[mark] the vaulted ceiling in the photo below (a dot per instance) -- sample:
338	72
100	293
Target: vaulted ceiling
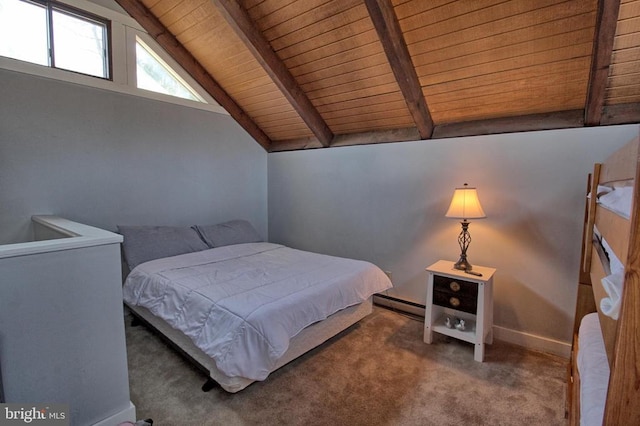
298	74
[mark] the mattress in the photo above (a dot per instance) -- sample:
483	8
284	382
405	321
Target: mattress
241	304
593	368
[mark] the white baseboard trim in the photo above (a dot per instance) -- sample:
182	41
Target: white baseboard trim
520	338
532	341
126	415
400	305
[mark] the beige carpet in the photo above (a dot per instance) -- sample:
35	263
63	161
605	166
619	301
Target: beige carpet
378	372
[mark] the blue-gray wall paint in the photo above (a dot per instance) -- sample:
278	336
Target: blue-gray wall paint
105	159
386	204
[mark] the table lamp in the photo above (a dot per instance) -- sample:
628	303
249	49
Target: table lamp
465	205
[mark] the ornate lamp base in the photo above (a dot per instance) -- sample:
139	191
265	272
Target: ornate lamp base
463	264
464	239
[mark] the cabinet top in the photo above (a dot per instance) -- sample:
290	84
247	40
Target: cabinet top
445	267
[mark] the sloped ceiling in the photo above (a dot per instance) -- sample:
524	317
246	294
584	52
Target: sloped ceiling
300	74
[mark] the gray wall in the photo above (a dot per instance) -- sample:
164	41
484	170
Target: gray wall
386	204
105	159
62	337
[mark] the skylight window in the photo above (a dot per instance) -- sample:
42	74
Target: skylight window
48	33
153	74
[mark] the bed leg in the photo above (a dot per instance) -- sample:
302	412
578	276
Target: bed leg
135	322
210	384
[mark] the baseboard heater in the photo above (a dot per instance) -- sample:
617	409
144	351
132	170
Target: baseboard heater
399	304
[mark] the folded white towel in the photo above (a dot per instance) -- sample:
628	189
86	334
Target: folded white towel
619	200
613	285
601	191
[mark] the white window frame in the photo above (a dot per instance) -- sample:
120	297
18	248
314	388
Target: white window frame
193	93
124	31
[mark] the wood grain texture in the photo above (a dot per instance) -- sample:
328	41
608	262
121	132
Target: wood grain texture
364	138
165	39
590	222
620	166
244	27
305	69
621	337
526	123
623	83
222	53
585	303
616	229
572	409
607	324
623	397
621	114
390	34
602	50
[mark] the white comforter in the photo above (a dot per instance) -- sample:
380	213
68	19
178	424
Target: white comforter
241	304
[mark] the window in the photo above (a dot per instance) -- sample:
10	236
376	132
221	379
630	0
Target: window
153	74
78	40
51	34
23	31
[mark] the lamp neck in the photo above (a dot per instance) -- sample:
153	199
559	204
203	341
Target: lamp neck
464	239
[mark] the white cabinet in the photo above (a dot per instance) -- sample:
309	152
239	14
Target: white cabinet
460	305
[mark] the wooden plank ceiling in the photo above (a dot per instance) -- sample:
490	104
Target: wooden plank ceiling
300	74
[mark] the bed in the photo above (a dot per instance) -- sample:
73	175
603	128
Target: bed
604	369
238	307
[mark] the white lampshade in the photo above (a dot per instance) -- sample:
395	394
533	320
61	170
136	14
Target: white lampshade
465	204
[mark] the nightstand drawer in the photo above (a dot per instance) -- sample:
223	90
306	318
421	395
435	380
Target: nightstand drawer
455	287
455	301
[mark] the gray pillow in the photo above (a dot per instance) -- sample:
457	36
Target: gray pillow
144	243
227	233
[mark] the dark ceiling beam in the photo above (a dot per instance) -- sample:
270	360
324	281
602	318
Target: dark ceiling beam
350	139
388	29
377	136
168	42
523	123
296	144
606	21
621	114
238	18
629	113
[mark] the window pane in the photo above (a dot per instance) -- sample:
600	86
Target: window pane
153	75
23	31
79	45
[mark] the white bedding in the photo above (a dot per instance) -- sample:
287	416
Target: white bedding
613	283
594	371
618	199
241	304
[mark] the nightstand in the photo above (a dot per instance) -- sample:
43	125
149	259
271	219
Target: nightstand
455	295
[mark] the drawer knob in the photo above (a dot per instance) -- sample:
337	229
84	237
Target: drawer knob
454	286
454	301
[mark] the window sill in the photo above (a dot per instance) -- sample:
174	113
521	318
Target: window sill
85	80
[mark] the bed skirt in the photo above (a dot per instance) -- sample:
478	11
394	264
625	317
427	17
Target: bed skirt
309	338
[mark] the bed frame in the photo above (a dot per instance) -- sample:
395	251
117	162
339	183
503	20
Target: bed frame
621	337
309	338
